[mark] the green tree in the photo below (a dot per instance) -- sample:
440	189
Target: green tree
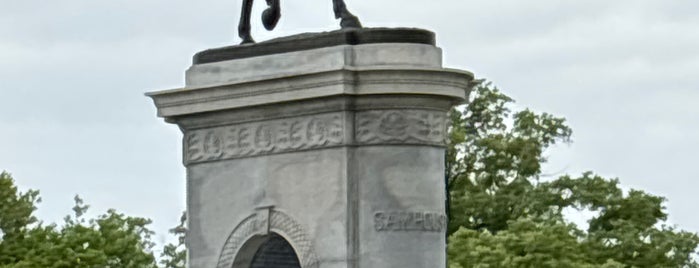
110	240
175	255
16	210
502	214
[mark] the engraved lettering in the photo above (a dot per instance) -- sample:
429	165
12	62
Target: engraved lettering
395	221
428	222
379	220
418	220
392	221
442	222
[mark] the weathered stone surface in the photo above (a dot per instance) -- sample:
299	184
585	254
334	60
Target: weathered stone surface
337	150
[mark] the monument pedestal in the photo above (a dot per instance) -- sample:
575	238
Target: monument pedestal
336	151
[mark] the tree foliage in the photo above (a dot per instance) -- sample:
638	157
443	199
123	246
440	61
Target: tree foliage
175	255
502	214
110	240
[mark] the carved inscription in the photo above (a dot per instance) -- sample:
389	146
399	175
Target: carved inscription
394	221
401	126
264	137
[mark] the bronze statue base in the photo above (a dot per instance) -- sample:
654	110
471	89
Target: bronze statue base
306	41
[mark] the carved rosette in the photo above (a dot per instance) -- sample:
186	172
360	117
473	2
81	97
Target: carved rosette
262	223
401	127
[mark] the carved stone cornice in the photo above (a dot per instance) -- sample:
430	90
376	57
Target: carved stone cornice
350	81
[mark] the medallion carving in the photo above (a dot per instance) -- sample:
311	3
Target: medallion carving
401	126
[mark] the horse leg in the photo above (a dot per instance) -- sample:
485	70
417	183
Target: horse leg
271	15
244	26
348	19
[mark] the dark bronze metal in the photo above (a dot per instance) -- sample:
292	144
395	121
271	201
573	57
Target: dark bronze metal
271	16
308	41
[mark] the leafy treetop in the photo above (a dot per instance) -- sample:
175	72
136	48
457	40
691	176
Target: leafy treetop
502	214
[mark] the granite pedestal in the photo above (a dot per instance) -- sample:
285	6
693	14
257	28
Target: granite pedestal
336	148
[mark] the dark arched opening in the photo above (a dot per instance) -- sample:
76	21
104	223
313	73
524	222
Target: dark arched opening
275	252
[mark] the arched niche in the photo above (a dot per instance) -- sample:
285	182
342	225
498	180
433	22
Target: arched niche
270	251
266	228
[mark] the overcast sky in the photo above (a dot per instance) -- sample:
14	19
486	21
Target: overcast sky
73	118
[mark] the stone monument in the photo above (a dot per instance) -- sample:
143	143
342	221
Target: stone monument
317	150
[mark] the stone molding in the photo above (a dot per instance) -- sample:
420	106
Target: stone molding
351	81
263	222
373	127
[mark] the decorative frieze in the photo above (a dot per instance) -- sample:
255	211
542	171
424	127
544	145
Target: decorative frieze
401	126
314	132
276	136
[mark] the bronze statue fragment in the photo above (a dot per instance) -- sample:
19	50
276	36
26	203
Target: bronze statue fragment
271	16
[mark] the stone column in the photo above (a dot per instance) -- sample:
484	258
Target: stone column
333	141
